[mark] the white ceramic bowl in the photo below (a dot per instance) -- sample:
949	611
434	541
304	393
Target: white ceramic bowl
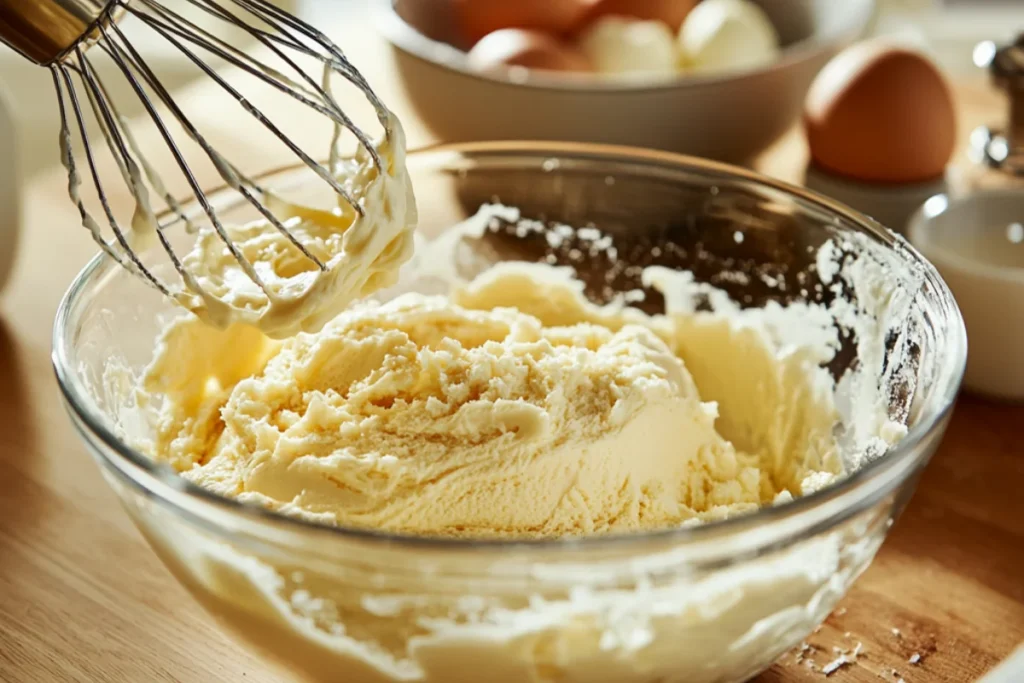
730	117
973	243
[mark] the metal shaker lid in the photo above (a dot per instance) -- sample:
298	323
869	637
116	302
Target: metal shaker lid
1003	148
1007	65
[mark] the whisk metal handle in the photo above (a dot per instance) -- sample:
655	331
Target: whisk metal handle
43	30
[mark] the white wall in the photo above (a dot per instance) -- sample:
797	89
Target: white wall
951	28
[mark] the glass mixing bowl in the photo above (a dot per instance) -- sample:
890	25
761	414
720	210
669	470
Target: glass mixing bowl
717	602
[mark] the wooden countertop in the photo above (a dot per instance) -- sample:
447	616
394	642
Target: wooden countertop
82	598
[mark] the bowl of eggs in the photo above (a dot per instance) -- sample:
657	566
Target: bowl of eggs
722	79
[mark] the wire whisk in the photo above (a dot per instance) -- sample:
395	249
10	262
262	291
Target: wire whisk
67	35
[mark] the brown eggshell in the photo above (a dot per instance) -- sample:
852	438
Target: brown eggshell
530	49
881	113
672	12
478	18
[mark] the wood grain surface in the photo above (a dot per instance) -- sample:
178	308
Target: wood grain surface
82	598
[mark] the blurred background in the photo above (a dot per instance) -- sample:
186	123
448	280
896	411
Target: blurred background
963	537
949	29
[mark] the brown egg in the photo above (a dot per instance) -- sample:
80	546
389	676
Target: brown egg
672	12
881	113
477	18
530	49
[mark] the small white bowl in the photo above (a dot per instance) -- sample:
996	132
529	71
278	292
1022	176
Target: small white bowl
977	244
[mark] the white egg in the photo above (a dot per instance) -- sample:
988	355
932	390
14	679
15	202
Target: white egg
727	35
619	45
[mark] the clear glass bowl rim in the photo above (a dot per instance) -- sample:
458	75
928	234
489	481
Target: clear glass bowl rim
862	487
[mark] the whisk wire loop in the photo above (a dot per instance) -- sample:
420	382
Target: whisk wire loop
117	51
283	37
326	106
126	163
151	174
237	177
133	262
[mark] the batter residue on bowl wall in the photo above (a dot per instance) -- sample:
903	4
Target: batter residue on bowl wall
512	407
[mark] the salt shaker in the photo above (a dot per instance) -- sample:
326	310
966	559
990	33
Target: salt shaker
998	151
974	235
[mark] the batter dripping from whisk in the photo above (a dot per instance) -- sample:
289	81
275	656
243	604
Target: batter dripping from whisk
287	291
513	408
295	269
361	252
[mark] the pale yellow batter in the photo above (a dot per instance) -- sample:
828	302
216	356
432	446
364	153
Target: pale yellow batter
514	408
509	408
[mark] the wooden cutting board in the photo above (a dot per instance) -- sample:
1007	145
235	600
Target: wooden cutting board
82	598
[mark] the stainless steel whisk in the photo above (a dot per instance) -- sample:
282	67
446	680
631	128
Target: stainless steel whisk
61	34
